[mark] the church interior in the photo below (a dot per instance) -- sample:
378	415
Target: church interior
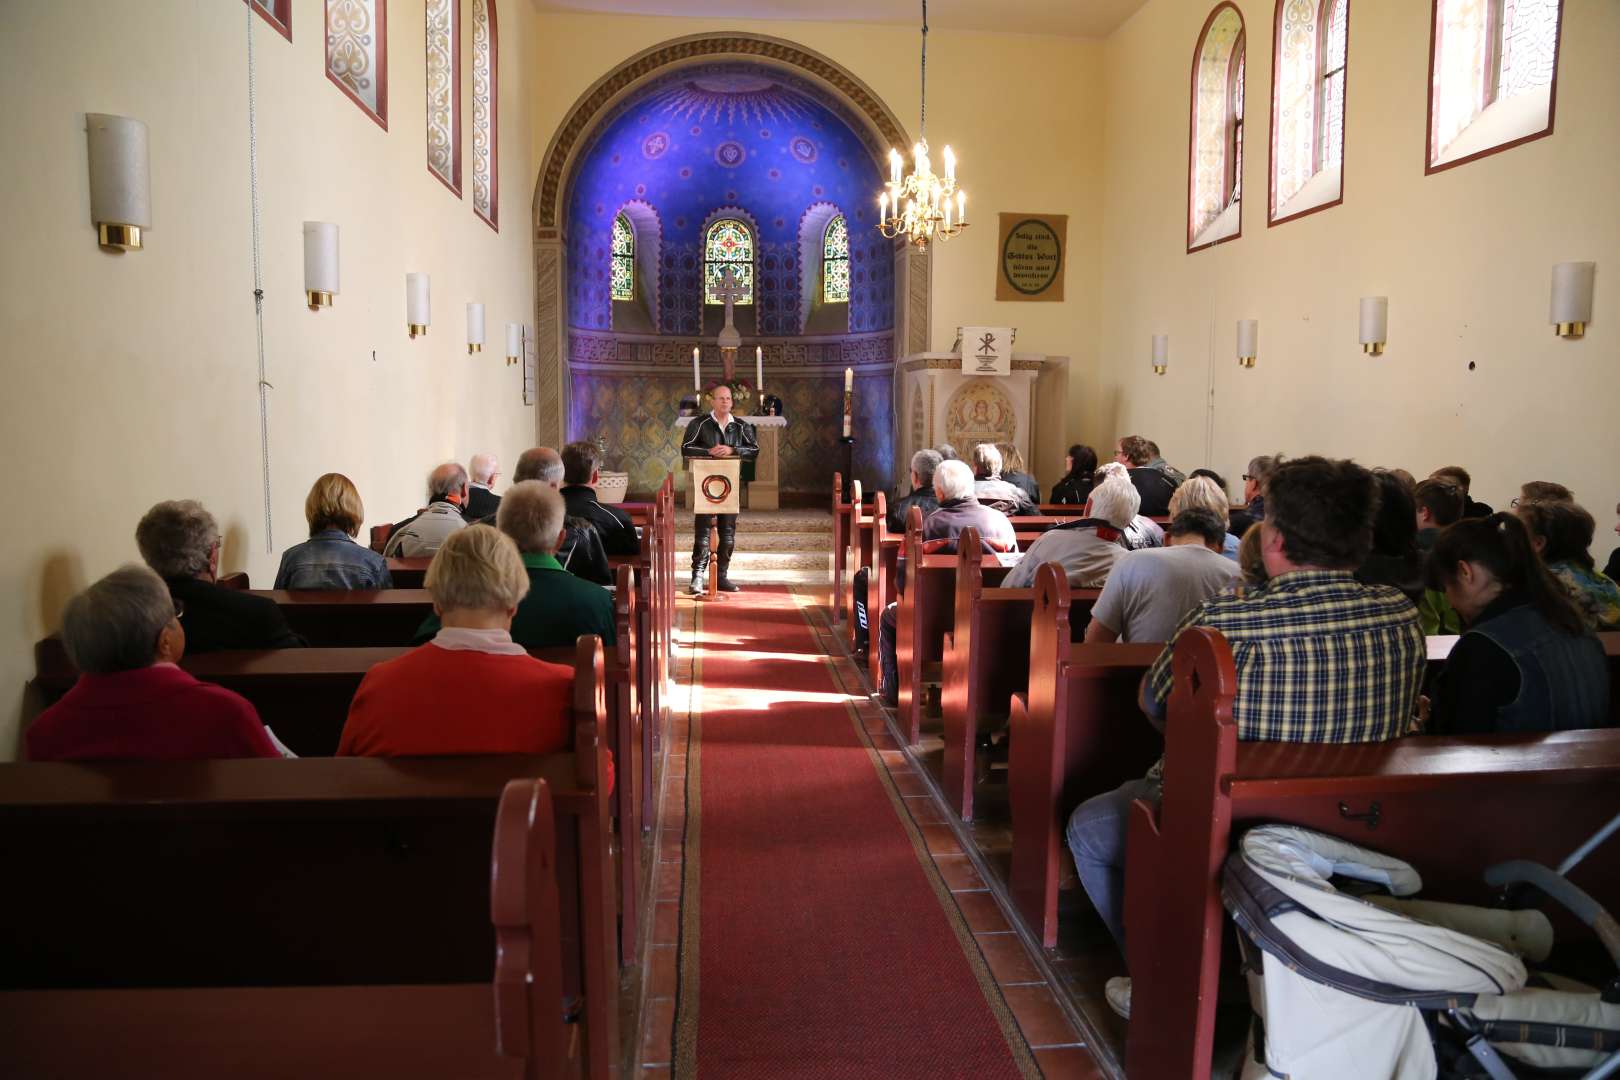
252	242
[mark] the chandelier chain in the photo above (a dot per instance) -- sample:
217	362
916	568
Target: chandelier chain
922	125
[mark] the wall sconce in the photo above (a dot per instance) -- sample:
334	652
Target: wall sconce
514	343
1248	342
120	181
475	328
1572	298
1161	353
320	263
1374	324
418	305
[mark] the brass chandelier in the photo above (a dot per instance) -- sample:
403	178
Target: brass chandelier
923	206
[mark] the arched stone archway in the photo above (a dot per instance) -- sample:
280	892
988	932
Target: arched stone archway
873	120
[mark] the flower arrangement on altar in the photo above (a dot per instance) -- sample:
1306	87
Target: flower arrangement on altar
742	394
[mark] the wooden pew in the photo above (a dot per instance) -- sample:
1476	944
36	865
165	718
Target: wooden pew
924	618
840	514
880	584
346	618
321	917
987	660
409	573
1075	733
1449	805
860	530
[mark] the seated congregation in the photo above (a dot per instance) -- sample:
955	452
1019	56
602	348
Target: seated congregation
1332	588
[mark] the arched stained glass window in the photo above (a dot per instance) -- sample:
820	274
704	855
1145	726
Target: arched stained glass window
729	244
1215	188
1494	64
835	262
1307	107
624	259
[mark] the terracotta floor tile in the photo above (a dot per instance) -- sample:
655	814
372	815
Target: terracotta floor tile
657	1029
958	873
1067	1063
924	811
666	923
661	971
909	783
1006	956
982	913
884	741
940	839
669	881
895	760
1039	1017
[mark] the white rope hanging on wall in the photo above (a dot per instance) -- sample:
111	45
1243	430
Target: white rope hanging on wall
258	277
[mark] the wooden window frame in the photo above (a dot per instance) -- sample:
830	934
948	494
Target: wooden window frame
1318	136
494	218
1192	127
1494	69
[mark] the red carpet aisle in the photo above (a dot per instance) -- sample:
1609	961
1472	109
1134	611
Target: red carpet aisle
816	937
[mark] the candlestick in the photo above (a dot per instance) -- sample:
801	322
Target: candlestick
759	372
697	375
849	379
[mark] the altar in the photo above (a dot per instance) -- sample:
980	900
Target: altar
763	492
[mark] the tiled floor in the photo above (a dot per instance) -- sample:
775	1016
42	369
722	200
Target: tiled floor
1059	1050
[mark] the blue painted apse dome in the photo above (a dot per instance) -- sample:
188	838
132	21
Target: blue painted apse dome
708	141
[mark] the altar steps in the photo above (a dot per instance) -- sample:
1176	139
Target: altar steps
782	546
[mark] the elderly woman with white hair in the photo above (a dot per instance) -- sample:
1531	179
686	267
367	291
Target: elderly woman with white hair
181	541
1088	548
472	689
132	702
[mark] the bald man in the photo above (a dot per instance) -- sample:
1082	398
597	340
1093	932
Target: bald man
447	498
581	553
484	470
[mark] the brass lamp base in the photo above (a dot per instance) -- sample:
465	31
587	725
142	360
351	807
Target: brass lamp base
319	299
1563	329
1246	361
473	347
1158	369
115	237
1373	348
417	329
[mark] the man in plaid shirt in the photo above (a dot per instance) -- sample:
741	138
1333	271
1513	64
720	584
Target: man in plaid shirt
1320	657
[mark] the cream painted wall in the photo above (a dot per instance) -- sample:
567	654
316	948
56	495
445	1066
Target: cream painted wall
130	379
1022	112
1465	257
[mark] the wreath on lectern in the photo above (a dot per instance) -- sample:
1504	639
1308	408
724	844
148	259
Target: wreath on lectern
716	488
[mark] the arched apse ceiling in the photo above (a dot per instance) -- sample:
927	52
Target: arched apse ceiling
717	134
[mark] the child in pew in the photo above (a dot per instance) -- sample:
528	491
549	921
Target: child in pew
1526	661
132	702
472	689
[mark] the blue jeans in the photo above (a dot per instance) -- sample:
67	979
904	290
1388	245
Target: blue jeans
1096	836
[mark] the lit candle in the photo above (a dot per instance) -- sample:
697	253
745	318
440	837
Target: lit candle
759	372
950	164
697	376
894	166
849	398
961	208
883	207
849	379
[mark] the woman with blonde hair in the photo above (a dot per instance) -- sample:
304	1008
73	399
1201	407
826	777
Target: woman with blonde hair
1016	473
330	558
1202	493
472	689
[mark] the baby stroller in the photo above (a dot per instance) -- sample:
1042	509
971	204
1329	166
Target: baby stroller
1348	987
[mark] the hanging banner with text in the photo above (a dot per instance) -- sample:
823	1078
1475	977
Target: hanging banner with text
1031	256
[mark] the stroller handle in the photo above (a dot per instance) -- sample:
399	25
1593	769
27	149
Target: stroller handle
1571	896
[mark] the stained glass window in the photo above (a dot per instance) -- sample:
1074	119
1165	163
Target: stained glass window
486	136
835	261
1330	144
357	53
1485	52
1217	129
624	259
1307	132
444	92
729	244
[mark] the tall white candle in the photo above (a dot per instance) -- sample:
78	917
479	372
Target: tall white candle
849	379
697	374
759	372
849	401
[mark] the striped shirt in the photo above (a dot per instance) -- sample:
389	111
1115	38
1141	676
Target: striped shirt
1320	657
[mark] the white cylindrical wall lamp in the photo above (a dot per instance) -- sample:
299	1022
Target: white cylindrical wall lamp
1572	298
514	342
475	328
320	263
1161	353
1374	324
418	305
120	180
1248	341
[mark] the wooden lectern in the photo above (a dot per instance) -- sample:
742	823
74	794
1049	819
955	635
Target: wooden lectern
716	489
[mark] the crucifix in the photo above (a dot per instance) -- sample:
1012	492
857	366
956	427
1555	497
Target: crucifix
730	292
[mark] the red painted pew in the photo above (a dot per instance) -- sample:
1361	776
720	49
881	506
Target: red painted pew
314	917
1449	805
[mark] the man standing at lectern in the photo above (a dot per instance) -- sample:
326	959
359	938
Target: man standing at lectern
717	435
